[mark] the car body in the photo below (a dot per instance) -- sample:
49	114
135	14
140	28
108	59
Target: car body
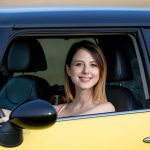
57	28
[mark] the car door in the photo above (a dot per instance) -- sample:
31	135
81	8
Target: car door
112	131
124	130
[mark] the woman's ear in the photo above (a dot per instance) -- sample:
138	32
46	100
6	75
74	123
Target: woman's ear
68	70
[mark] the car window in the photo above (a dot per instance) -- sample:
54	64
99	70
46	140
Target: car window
56	48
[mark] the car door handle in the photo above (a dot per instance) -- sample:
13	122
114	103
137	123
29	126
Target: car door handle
146	140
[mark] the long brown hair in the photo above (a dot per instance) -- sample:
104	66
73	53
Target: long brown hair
97	54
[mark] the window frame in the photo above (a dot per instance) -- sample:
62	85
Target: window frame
60	32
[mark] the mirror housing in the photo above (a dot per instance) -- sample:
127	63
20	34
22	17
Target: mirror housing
34	114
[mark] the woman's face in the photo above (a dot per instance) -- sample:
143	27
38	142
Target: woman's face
84	70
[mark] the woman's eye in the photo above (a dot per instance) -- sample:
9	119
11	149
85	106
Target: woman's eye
78	64
94	65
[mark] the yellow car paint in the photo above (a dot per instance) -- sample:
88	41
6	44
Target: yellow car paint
112	132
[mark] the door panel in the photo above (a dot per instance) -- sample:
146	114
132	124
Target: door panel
114	132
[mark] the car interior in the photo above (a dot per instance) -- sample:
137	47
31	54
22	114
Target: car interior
40	71
24	87
119	71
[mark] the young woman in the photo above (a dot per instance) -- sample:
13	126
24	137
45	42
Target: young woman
85	77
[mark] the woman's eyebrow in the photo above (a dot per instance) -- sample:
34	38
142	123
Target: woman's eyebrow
93	61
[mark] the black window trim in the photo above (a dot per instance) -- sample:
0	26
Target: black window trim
58	32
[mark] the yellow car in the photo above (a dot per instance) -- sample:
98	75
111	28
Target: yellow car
34	42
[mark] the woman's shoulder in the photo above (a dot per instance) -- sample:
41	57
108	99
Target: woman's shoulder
105	107
109	106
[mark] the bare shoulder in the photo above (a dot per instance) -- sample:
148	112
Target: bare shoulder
105	107
108	106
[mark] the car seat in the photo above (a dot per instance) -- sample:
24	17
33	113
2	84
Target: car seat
58	94
119	70
25	55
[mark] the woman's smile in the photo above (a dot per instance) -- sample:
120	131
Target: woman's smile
85	79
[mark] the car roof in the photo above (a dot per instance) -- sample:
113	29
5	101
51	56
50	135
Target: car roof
73	16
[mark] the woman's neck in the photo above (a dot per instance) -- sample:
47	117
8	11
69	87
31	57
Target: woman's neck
83	97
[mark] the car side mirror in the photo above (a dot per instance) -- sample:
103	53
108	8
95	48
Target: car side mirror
34	114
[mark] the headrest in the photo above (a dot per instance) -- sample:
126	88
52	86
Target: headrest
115	49
119	67
26	55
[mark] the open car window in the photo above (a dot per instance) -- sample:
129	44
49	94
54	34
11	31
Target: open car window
126	90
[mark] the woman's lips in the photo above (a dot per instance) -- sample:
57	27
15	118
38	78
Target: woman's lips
85	79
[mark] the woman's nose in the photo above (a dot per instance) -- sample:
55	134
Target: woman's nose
86	69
